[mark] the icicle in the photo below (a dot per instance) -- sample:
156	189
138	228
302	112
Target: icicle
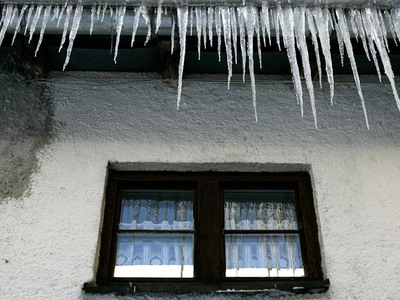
329	19
74	30
135	24
242	37
268	27
382	29
360	30
300	33
374	57
92	18
371	18
56	12
3	13
204	25
311	27
9	11
159	14
173	34
323	33
34	22
286	21
388	18
21	15
66	25
28	18
182	12
262	20
191	20
257	29
104	11
265	26
14	13
98	12
276	25
111	12
340	42
142	10
210	12
198	29
112	34
234	31
218	29
146	17
365	36
60	15
120	21
46	16
396	21
249	18
225	14
368	24
342	27
353	23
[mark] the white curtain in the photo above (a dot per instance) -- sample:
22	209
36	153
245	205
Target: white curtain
269	254
156	212
154	249
152	214
260	215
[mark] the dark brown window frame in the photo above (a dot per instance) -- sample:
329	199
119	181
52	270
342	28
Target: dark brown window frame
209	267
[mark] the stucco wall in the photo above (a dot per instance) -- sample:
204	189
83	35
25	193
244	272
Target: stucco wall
25	126
49	236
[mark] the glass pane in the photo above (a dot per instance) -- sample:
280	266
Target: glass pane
263	255
154	256
259	209
157	210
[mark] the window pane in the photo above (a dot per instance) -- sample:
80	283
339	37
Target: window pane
259	209
263	255
154	255
157	210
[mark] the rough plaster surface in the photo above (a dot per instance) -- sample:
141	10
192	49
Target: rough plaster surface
25	125
49	238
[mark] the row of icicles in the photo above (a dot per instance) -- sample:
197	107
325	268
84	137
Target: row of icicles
239	28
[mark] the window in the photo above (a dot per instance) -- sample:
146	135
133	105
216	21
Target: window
261	234
155	235
209	231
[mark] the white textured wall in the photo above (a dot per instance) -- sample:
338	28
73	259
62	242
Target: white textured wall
49	237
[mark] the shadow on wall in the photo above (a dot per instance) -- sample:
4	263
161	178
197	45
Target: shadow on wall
26	117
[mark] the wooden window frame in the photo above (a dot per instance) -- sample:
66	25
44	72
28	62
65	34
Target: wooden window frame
208	213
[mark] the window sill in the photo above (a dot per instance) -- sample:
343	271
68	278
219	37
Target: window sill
270	287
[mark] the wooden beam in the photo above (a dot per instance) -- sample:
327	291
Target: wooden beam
169	62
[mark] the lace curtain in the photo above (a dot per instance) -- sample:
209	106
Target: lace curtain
259	254
158	252
149	214
148	247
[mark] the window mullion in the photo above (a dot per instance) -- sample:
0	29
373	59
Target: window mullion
208	233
